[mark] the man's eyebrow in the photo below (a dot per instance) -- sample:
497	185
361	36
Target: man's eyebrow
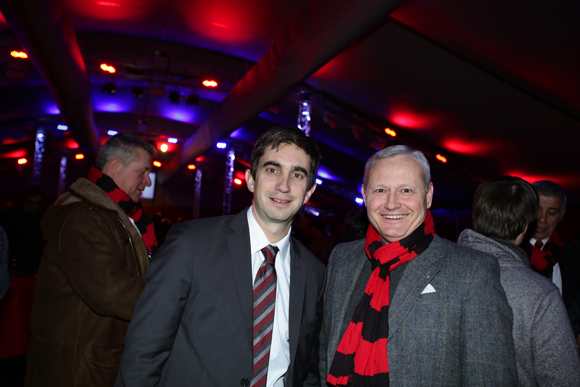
300	169
272	163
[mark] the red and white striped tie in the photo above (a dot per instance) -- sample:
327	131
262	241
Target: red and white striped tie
264	303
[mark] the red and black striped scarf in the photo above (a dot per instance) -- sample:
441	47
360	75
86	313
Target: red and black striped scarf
544	259
361	356
134	210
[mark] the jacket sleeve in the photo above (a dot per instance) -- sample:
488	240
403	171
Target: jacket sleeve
313	378
486	348
158	313
94	253
555	353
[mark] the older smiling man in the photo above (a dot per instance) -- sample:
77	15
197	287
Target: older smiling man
406	307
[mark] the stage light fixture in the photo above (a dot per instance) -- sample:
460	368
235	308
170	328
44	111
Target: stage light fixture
174	97
172	140
193	99
390	132
441	158
79	156
157	163
221	145
62	127
318	182
18	54
109	87
112	132
164	147
138	92
22	161
209	83
107	68
359	200
191	166
237	181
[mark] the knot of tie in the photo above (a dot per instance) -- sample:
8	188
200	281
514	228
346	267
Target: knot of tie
538	244
270	253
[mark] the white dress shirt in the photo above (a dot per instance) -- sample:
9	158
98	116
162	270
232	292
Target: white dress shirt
556	275
280	346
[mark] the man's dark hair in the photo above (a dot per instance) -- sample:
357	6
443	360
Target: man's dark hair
280	135
124	147
504	206
550	189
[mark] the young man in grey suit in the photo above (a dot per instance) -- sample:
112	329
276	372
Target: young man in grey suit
235	300
546	352
406	307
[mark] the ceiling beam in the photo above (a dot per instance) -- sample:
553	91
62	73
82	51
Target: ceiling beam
319	33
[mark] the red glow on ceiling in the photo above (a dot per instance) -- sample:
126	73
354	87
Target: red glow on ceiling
466	147
191	166
441	158
71	144
14	155
533	178
390	132
107	3
407	120
22	161
79	156
18	54
209	83
228	21
157	163
199	159
109	69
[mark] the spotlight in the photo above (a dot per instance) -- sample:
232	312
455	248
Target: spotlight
22	161
191	166
174	97
318	182
172	140
192	100
79	156
359	200
109	87
112	132
390	132
237	181
138	92
62	127
441	158
164	147
221	145
18	54
107	68
157	163
210	83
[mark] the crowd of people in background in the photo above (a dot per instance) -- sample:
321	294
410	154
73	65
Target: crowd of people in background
402	305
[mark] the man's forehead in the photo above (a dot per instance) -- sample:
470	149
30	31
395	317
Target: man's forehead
550	202
273	156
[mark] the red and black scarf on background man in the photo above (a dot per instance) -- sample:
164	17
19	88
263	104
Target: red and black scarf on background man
544	259
361	356
134	210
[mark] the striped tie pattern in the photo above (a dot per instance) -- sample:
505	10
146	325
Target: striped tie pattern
264	303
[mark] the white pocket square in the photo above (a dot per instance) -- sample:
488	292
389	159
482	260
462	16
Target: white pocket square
428	289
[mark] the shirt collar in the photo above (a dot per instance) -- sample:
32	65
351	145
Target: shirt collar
259	240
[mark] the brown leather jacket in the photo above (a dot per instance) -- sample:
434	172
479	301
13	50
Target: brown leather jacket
90	277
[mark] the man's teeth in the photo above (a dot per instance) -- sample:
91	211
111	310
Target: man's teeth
280	201
394	216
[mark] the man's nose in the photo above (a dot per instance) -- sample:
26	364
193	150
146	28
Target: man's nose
147	180
283	184
392	201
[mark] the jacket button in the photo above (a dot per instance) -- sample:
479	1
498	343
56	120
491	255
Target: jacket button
245	382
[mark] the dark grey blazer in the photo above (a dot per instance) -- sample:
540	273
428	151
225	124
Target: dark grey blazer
457	333
192	325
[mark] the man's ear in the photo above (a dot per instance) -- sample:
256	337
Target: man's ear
562	216
430	195
249	180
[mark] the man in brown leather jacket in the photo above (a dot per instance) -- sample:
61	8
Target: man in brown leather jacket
92	271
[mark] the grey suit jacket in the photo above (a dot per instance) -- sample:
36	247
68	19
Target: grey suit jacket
449	320
193	322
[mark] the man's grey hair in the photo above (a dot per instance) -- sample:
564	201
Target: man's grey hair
550	189
124	147
397	150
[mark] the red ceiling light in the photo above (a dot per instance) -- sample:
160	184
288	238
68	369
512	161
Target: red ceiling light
79	156
108	3
390	132
209	83
163	147
107	68
237	181
18	54
441	158
191	166
22	161
157	163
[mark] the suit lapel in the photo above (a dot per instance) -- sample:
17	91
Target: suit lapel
419	273
297	289
240	257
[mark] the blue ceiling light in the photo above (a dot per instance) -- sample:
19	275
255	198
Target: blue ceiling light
62	127
172	140
221	145
359	200
318	182
112	132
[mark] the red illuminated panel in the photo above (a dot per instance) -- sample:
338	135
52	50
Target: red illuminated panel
72	144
